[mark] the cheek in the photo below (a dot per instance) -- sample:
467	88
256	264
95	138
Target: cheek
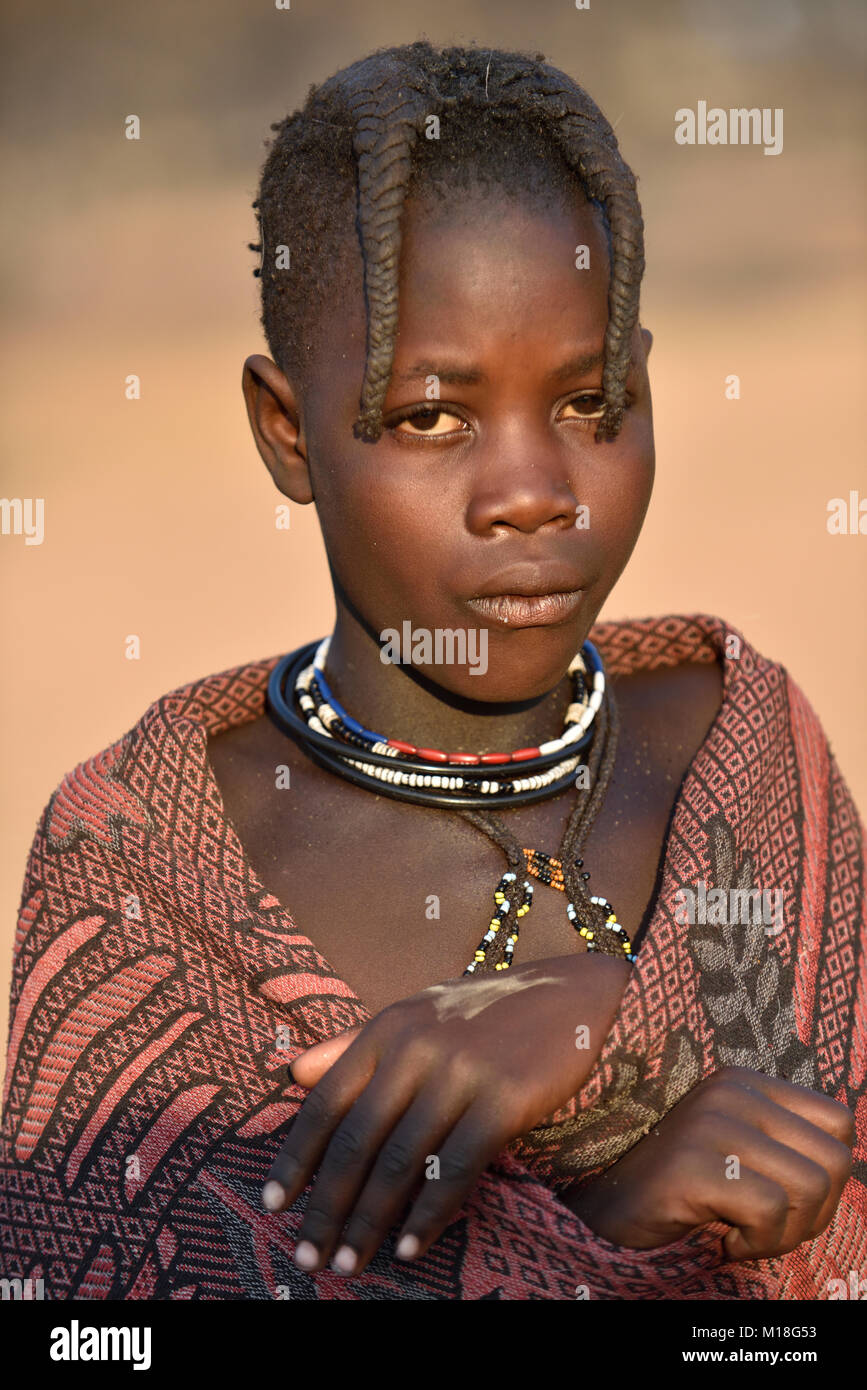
645	470
618	494
380	524
638	470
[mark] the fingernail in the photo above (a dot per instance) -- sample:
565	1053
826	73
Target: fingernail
273	1196
407	1247
345	1260
306	1255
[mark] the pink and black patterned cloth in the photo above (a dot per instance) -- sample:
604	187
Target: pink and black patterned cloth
159	991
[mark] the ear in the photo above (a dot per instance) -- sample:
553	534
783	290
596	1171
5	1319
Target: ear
272	410
647	339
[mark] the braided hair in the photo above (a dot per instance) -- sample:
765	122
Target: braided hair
339	172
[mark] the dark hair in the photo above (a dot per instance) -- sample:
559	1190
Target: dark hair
343	165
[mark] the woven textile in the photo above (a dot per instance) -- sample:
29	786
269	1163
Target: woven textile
159	990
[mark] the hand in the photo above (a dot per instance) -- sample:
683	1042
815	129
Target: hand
452	1074
792	1147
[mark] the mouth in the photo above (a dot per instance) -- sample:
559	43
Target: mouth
528	610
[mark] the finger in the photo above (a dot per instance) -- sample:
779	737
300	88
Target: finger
349	1157
757	1213
790	1129
816	1107
320	1113
310	1066
408	1157
775	1214
470	1147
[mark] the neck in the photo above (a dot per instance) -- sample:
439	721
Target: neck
400	701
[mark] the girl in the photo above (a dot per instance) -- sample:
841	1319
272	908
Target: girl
387	858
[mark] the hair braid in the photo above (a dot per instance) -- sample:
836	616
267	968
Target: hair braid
588	143
364	123
388	106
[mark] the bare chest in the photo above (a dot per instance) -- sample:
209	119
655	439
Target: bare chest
397	897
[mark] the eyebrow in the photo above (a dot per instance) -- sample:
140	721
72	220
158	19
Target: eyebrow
472	376
579	366
454	376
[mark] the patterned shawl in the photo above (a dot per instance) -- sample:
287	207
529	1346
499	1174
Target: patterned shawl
159	990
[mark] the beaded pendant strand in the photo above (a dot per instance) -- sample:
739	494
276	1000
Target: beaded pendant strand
547	870
550	870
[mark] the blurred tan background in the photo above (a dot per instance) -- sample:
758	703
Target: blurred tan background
130	257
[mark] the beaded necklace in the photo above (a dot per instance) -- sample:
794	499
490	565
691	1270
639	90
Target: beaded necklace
432	777
403	766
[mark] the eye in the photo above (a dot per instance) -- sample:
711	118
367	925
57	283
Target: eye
428	421
590	405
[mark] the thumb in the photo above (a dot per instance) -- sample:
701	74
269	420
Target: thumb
308	1067
737	1245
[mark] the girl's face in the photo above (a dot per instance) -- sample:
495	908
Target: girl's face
488	457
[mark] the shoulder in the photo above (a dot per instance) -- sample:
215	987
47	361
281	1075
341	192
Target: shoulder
674	675
690	685
669	677
668	711
676	672
155	763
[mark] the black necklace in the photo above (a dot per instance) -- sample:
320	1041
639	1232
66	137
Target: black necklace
430	777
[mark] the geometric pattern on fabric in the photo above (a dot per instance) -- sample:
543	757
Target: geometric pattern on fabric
145	1093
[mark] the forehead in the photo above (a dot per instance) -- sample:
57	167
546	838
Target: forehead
491	262
484	273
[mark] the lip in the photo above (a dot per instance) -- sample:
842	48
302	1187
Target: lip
531	580
528	610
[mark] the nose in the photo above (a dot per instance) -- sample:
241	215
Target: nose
522	481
